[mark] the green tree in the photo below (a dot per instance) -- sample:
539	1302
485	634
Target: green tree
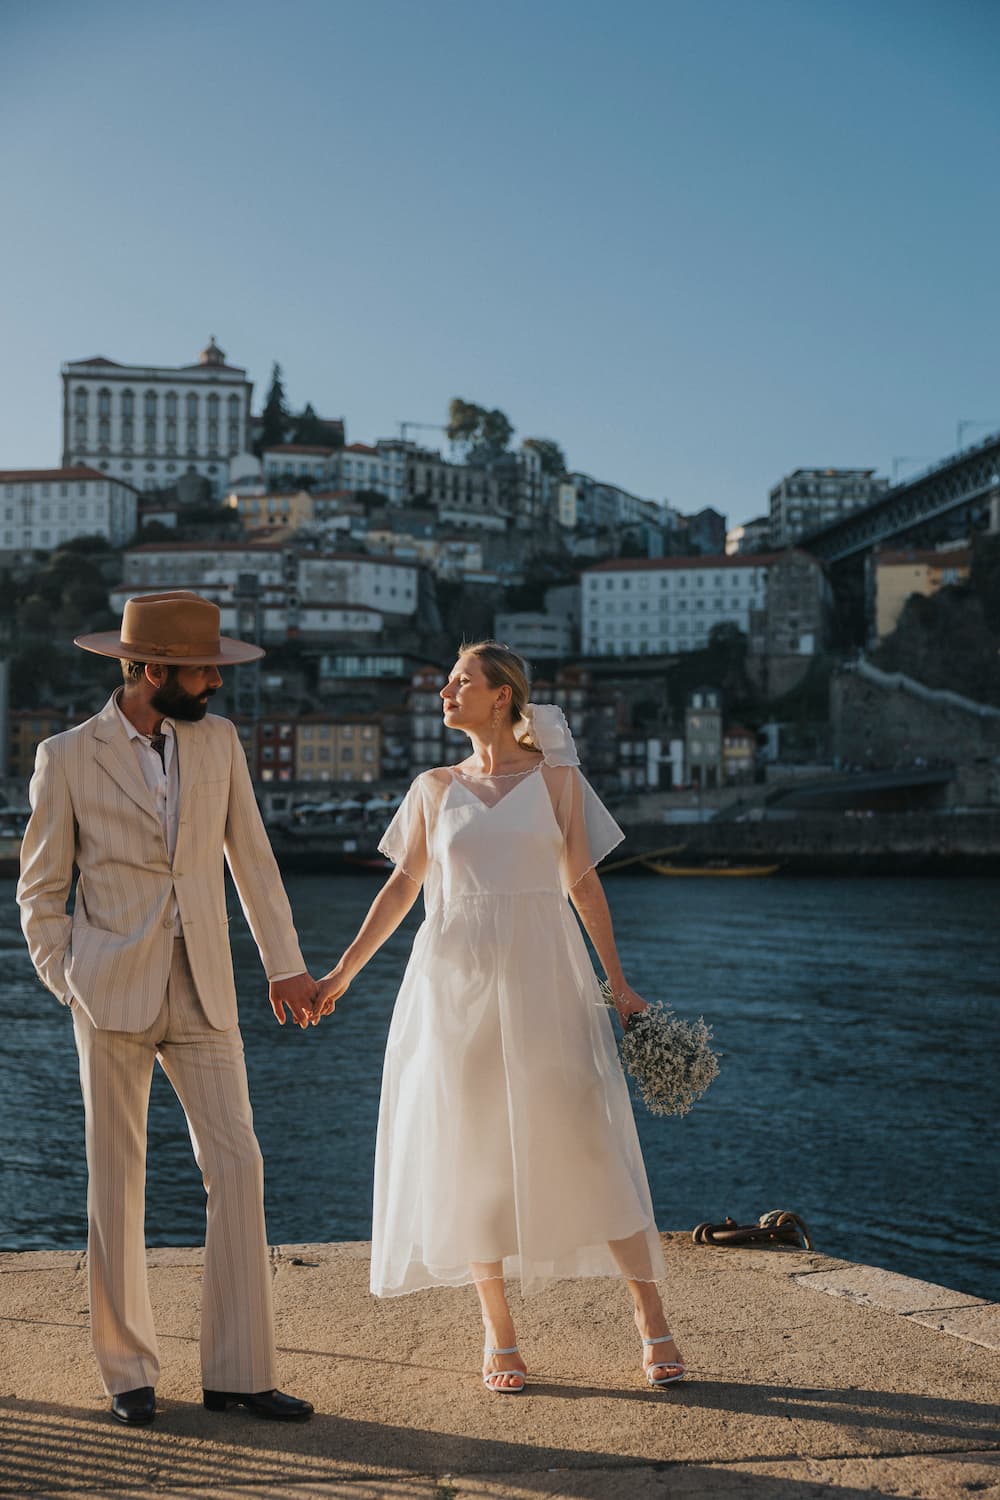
35	615
480	433
308	427
463	421
552	456
86	544
276	417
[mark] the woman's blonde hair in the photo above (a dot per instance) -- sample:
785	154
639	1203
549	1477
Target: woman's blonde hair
502	667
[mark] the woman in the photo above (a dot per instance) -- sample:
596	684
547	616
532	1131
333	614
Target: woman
506	1144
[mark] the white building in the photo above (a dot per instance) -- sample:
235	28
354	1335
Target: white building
287	463
152	424
43	508
534	634
810	498
643	606
382	468
381	583
584	501
279	619
751	536
315	578
158	566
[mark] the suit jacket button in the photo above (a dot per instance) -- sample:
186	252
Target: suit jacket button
168	921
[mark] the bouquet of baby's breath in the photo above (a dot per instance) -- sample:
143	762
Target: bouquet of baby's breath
670	1059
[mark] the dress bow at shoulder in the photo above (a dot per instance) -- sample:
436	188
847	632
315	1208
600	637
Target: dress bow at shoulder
546	725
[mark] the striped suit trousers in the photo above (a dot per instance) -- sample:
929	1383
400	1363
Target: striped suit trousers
206	1068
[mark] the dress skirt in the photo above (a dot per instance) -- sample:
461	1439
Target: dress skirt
505	1132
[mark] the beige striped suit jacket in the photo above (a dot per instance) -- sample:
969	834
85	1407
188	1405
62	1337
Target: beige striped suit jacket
90	806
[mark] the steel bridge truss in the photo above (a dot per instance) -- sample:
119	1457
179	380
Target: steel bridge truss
963	480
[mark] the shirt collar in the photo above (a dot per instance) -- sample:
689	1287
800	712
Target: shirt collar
166	725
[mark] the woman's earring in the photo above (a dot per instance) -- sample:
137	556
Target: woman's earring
496	713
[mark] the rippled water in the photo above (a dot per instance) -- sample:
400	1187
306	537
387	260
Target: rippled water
859	1022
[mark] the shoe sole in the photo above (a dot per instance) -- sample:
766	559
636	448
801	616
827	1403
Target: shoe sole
267	1416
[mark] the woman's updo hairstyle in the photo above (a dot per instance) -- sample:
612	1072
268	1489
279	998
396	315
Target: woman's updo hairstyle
502	667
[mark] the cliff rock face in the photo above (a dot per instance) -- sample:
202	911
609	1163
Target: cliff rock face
947	641
881	719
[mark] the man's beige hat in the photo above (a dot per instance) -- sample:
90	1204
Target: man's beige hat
179	629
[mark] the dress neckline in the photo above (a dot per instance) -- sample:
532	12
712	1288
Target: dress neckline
497	775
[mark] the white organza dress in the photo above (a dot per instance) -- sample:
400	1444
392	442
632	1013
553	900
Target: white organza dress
505	1127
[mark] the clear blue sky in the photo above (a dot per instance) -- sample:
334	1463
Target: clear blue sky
699	244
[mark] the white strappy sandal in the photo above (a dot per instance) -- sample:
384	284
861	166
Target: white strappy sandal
488	1378
670	1364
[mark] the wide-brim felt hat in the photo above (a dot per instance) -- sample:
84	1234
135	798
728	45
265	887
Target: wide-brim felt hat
177	629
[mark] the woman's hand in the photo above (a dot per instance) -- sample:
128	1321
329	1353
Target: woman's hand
627	1003
329	990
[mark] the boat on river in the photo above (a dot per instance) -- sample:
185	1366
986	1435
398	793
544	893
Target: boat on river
719	867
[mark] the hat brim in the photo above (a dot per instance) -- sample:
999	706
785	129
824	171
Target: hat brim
230	653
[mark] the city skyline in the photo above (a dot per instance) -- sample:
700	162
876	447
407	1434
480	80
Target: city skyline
699	250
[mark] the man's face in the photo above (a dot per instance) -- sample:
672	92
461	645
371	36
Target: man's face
183	692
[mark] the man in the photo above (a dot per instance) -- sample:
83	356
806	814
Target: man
145	799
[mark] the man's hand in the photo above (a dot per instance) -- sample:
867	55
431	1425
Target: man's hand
329	991
297	993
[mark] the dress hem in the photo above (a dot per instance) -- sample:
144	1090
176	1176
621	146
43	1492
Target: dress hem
532	1291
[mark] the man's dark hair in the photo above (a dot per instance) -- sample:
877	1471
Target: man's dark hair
133	671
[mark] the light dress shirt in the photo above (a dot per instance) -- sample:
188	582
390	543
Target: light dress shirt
163	781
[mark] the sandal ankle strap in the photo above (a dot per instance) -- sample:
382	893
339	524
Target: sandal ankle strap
512	1350
665	1338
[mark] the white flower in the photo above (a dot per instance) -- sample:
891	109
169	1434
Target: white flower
670	1059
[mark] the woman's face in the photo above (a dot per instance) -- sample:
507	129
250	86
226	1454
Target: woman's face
468	698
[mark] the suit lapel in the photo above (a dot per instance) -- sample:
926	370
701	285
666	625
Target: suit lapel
191	744
116	756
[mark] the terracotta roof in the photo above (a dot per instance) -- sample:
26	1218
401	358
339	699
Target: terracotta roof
360	448
365	557
299	448
62	476
959	557
98	359
320	718
264	546
226	369
363	609
674	564
206	546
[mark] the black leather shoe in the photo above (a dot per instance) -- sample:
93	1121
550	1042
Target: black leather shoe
272	1404
134	1408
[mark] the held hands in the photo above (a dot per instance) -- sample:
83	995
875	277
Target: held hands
329	991
297	993
628	1003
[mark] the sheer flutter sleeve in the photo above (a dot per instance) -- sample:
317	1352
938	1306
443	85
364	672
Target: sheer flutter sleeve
405	839
588	829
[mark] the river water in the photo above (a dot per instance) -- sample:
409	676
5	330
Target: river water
859	1022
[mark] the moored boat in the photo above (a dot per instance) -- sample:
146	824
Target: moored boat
659	867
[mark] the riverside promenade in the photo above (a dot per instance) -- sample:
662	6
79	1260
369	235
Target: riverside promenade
810	1377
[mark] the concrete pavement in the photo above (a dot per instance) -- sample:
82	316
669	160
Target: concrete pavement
811	1377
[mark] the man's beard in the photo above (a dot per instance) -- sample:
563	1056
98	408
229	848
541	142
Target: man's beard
175	702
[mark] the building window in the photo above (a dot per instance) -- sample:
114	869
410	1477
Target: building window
104	402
